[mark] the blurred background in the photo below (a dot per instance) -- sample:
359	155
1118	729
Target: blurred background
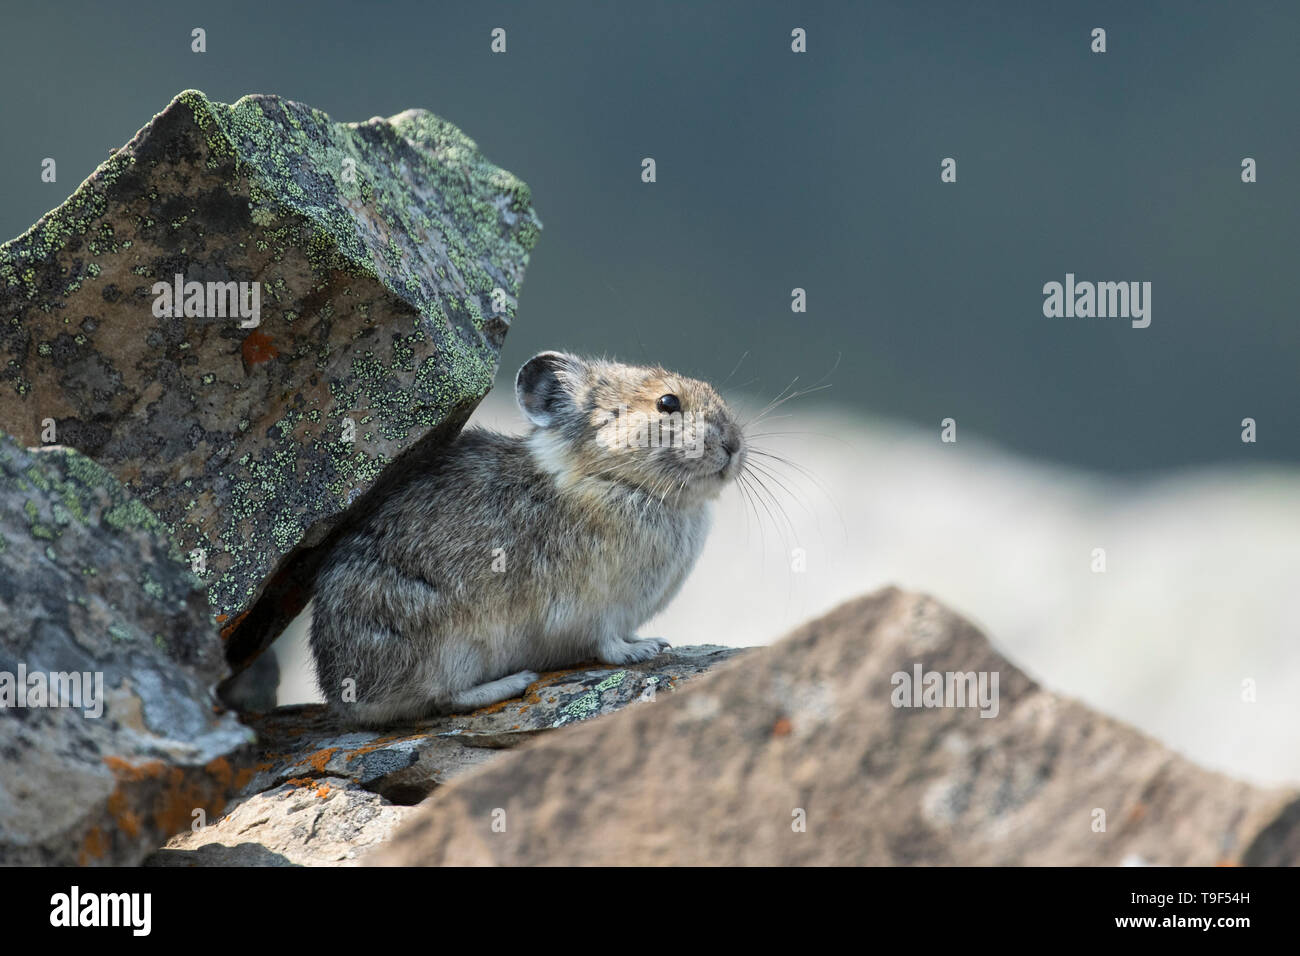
820	171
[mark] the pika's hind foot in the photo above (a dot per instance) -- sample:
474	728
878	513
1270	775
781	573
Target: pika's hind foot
493	692
632	650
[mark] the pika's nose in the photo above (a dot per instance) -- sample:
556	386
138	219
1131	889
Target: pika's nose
731	441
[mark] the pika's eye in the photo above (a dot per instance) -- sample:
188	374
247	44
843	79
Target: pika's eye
669	404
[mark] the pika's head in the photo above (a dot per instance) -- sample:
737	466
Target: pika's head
602	421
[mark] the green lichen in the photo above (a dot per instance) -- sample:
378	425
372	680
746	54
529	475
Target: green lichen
131	514
373	239
580	708
35	528
151	587
613	680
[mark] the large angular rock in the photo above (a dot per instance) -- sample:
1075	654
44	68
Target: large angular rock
388	257
797	755
92	590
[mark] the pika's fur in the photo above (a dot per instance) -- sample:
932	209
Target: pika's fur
505	555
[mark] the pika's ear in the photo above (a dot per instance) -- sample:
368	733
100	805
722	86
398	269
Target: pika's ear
545	386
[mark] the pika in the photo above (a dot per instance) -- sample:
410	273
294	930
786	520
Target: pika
498	556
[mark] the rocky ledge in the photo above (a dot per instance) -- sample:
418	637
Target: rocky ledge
319	793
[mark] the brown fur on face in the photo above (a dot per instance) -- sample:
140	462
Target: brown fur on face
603	423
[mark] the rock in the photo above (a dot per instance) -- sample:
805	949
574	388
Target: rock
796	755
405	763
373	777
386	257
319	822
91	588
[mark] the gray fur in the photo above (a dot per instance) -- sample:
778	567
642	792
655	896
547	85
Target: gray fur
596	540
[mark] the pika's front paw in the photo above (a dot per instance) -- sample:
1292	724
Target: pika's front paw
631	651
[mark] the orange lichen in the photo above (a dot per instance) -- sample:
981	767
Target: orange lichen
173	794
321	758
122	813
227	777
221	771
782	727
125	770
258	348
318	788
489	709
95	845
230	628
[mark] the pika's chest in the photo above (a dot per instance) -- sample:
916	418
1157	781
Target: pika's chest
633	561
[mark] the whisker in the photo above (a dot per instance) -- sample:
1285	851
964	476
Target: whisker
773	407
773	476
764	497
734	370
806	473
779	400
745	480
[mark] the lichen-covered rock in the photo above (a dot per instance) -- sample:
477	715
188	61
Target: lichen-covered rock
325	821
405	763
109	737
320	794
373	267
809	752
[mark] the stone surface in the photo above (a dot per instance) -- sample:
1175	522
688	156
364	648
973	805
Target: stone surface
90	584
319	794
389	256
406	763
725	771
319	822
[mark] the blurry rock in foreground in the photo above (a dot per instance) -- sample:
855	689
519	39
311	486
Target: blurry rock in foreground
795	755
345	291
316	793
99	616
